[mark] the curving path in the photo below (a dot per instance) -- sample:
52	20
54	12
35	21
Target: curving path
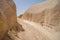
35	31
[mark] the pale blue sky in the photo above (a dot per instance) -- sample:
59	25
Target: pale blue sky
23	5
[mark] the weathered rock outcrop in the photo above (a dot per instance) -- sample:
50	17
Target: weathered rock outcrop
8	19
42	21
46	13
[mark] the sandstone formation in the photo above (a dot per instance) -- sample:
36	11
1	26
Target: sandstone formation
8	19
46	14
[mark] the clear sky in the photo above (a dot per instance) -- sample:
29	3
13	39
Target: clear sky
23	5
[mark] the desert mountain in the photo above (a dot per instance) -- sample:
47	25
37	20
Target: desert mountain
41	21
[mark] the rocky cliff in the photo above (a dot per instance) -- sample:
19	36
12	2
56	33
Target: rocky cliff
8	19
41	21
46	13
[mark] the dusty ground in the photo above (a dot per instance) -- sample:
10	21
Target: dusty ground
35	31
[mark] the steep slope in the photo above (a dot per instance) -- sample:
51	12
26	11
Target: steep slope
46	13
41	21
8	19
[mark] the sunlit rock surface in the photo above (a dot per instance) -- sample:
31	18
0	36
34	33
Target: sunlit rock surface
46	13
41	21
8	20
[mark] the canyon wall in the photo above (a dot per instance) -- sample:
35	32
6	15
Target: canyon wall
47	16
8	18
46	13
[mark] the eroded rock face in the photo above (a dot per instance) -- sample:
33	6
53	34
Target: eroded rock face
46	13
7	16
3	25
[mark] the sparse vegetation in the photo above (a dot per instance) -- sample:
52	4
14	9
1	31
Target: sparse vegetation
20	16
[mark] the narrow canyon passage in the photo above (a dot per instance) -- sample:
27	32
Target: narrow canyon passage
39	22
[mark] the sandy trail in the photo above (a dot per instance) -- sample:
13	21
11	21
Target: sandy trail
35	31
